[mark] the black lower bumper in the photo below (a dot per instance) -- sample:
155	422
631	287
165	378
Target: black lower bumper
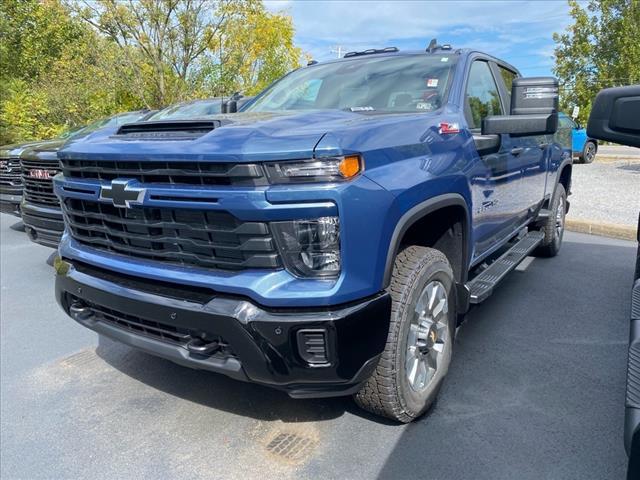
306	352
44	225
10	203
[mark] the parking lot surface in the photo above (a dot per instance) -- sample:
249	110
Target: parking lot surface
606	192
535	391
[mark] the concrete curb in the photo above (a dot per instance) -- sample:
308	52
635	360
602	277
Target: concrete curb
592	227
616	158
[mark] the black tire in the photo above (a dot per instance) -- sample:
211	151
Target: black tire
589	151
553	231
388	391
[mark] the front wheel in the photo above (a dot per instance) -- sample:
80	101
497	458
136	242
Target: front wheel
416	358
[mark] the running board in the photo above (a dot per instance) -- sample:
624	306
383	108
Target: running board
482	286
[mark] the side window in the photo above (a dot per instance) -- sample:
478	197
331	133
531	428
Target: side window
508	77
481	97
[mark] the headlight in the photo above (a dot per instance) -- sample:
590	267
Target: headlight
310	248
329	169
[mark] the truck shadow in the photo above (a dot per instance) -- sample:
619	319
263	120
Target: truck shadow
217	391
539	367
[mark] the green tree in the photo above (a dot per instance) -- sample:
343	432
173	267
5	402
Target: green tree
161	40
257	49
57	72
599	49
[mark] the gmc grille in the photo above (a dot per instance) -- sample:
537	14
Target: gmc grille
210	239
37	177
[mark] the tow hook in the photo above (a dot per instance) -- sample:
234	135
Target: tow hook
79	312
197	345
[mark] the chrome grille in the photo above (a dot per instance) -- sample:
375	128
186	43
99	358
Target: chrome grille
37	177
10	175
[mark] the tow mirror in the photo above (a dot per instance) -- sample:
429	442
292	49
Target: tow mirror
534	109
615	116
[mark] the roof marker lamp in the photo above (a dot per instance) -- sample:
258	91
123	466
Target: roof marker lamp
327	169
310	248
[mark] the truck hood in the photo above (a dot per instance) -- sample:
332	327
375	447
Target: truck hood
16	149
240	137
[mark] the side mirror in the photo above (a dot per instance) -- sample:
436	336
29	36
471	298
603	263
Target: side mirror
534	109
615	116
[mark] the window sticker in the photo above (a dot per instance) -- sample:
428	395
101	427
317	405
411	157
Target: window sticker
444	59
362	109
432	82
423	106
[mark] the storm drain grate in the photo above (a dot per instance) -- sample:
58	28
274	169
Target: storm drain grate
82	357
291	446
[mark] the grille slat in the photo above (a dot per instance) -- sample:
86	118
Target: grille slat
39	190
210	239
169	172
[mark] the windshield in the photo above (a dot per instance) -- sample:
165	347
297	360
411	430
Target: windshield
113	121
414	83
200	108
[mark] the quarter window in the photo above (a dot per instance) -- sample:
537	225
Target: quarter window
482	98
508	77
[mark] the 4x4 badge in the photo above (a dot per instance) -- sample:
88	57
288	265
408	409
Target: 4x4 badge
122	194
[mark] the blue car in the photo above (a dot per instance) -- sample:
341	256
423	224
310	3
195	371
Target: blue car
583	148
329	237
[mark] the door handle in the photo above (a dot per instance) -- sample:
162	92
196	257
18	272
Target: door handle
517	151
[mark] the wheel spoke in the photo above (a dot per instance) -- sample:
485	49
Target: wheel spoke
428	336
421	378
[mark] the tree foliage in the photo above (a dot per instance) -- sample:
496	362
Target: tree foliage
599	49
64	63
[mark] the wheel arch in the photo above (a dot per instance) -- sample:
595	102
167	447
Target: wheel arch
452	237
564	176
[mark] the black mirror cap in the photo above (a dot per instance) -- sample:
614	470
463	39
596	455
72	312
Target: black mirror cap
520	125
534	95
615	116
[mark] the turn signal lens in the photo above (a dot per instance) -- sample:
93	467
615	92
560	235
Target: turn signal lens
350	166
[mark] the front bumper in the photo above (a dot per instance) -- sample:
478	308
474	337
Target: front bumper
10	203
268	347
44	225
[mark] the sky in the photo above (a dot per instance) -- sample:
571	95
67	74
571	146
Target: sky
518	32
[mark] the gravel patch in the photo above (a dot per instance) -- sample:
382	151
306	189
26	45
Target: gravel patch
606	192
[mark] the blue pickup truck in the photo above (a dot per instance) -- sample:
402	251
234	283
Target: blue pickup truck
329	237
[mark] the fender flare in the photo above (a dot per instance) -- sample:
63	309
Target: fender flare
566	163
416	213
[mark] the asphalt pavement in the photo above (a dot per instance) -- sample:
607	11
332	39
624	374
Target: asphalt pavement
535	391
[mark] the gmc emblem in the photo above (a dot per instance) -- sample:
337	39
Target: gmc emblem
41	174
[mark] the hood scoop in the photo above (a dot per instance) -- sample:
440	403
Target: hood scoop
168	130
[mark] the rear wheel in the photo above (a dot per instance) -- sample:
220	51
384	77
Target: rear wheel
553	227
589	152
420	340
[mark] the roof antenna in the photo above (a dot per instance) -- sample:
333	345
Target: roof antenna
433	44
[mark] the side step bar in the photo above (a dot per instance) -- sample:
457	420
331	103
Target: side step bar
482	286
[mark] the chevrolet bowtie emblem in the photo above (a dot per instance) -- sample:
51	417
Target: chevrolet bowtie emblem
122	194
